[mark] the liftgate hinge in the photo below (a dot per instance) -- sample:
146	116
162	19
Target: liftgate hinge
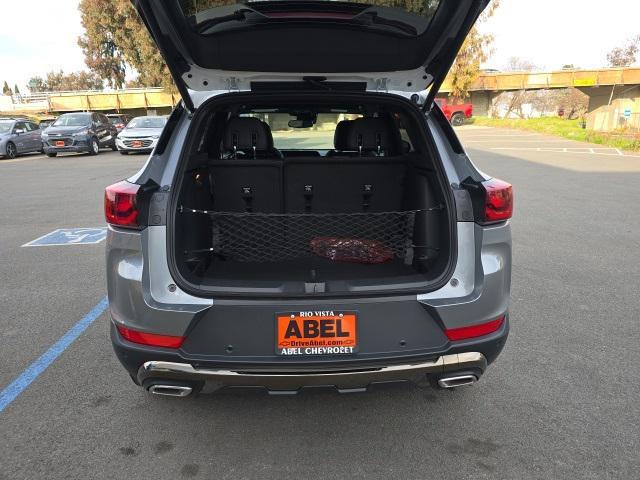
381	84
232	84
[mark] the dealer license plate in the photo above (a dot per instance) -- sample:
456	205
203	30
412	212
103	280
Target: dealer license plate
326	332
59	143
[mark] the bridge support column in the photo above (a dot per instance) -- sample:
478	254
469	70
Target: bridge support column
602	96
482	102
607	106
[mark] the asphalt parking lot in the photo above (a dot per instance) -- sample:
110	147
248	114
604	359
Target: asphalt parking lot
560	402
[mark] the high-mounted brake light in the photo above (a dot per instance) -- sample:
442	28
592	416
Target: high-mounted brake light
120	205
473	331
167	341
499	201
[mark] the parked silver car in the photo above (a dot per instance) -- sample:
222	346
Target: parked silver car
254	250
19	136
141	134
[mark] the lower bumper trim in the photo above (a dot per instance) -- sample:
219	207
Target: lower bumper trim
341	379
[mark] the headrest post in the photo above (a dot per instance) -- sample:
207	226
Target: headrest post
235	145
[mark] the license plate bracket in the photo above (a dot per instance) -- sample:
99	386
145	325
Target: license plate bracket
316	333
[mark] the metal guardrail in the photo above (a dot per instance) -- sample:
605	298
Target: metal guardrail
73	101
509	81
131	98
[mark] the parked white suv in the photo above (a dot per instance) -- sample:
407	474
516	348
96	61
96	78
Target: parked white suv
308	216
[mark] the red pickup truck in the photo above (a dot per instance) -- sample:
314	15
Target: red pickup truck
455	113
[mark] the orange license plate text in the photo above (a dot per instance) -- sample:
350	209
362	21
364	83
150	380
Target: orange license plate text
316	333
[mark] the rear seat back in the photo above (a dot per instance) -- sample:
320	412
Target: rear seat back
343	184
361	175
246	185
248	177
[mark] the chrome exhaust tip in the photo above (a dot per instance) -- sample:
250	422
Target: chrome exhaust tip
170	390
457	381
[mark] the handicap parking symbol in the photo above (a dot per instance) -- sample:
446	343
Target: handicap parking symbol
70	236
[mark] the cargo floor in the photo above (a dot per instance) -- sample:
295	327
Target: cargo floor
307	270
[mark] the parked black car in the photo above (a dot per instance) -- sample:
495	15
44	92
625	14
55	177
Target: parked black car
79	132
119	120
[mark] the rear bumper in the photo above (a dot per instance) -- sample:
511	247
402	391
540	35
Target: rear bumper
146	363
69	148
294	380
397	330
135	150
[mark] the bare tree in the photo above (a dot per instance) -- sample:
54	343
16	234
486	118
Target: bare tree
517	64
625	55
527	103
574	102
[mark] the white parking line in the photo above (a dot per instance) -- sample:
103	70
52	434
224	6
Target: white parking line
546	140
581	150
22	159
495	135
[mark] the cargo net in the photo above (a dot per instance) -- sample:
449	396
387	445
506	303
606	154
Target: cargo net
348	237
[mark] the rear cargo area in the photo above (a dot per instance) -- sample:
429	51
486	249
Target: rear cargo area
362	213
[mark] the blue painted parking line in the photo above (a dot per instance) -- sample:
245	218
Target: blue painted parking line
70	236
32	372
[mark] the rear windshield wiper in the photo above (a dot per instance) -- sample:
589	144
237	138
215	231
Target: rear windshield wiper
214	17
372	18
243	14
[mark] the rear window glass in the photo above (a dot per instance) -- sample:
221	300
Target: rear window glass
316	137
147	122
73	120
5	126
207	16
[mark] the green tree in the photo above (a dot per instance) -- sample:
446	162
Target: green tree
16	90
36	84
6	89
60	81
115	38
474	51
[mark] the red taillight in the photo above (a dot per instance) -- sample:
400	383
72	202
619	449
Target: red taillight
120	206
472	331
152	339
498	202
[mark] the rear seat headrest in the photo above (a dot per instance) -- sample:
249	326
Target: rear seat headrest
340	135
370	135
247	133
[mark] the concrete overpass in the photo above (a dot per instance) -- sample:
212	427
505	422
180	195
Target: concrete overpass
603	86
137	101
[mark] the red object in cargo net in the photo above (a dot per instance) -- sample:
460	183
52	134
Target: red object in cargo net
354	250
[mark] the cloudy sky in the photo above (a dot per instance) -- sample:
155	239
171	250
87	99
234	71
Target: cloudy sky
41	35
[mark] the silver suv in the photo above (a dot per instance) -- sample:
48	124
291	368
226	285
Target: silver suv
303	221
